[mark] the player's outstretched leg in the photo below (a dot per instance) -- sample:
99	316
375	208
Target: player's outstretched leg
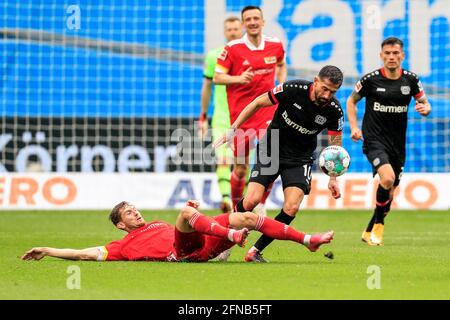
240	236
278	230
207	225
316	240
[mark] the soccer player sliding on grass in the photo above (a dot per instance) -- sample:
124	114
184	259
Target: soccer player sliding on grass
194	238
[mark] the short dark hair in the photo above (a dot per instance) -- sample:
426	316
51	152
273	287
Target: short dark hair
246	8
392	41
115	214
332	73
231	19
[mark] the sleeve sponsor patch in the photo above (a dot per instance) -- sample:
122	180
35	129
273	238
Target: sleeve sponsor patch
223	54
278	89
419	84
358	86
340	126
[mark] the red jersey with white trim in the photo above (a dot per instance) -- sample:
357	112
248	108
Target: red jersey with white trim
153	241
237	56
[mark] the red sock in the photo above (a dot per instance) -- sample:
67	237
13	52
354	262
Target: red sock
266	193
207	225
278	230
237	188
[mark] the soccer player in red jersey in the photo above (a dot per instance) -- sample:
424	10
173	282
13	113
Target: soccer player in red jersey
248	67
194	238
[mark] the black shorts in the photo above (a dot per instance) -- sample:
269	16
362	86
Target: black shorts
291	176
378	156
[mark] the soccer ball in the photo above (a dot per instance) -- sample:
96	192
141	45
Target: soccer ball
334	161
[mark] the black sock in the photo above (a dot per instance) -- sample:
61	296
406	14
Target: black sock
387	208
372	222
382	203
264	241
240	206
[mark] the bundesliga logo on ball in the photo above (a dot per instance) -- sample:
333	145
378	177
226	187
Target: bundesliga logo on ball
334	161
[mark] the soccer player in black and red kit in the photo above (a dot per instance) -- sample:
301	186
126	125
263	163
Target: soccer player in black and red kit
305	108
388	92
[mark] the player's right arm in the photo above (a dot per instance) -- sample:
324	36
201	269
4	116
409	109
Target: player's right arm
259	102
69	254
224	65
205	98
352	100
222	77
208	73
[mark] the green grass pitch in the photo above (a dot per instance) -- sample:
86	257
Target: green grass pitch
414	263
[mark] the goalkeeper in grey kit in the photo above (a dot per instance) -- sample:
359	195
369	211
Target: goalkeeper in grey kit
388	92
305	108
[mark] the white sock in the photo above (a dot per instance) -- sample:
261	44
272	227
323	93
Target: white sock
230	234
307	240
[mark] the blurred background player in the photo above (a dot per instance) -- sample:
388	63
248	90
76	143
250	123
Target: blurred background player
248	67
388	92
221	115
305	108
194	238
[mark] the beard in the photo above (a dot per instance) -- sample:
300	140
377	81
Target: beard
320	101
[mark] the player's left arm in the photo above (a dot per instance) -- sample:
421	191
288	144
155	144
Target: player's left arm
335	138
423	107
205	98
335	130
281	71
259	102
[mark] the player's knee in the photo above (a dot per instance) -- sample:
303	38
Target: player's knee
291	208
240	171
187	212
387	181
251	201
249	220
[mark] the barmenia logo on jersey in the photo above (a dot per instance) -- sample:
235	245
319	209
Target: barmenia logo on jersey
223	54
390	109
296	126
278	88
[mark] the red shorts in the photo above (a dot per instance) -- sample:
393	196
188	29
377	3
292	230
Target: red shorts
198	247
245	140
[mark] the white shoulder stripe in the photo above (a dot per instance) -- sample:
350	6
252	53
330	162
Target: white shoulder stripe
271	39
234	42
